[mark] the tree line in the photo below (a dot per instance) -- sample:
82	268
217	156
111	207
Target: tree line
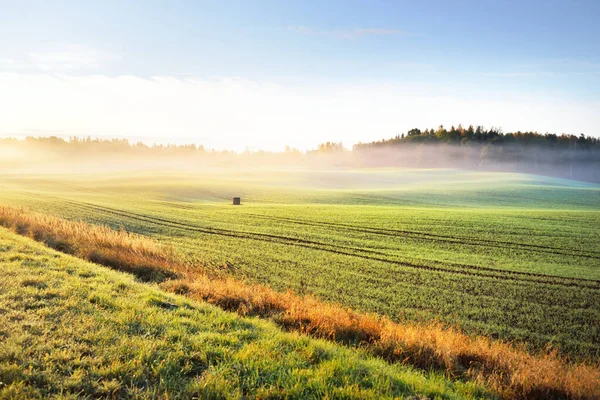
473	148
478	148
480	135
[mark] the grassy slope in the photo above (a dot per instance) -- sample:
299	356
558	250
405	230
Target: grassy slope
74	328
369	239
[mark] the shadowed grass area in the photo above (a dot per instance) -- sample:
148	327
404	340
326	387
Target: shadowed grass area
508	370
71	329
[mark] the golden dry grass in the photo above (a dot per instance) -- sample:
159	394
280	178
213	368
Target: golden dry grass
147	259
507	369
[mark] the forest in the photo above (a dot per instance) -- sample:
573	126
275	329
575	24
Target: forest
566	156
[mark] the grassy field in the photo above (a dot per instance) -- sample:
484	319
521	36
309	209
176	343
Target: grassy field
510	256
72	329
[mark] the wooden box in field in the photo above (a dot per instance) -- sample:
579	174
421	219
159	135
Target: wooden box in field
237	201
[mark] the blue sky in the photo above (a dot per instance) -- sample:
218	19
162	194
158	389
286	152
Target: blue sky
268	73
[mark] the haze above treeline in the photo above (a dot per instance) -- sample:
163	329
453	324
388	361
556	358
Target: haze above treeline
471	148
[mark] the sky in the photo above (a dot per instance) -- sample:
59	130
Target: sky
265	74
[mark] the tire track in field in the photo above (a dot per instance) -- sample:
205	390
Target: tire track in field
342	250
389	278
392	232
429	236
463	269
435	237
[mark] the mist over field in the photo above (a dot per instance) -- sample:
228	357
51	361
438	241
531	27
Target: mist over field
584	166
568	157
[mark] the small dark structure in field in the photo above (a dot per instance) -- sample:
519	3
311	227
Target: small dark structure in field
237	201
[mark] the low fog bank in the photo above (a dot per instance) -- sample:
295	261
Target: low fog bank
53	155
489	149
583	165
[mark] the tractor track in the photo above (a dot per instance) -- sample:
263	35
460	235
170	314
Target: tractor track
434	237
390	232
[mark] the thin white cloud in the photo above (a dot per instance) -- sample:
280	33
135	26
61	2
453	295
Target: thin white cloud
548	68
574	63
60	58
414	65
532	74
348	33
10	64
375	31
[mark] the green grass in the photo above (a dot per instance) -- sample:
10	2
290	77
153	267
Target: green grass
506	255
74	329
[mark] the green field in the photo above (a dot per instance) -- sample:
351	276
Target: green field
72	329
511	256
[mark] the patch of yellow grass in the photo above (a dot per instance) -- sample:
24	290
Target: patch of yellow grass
508	369
125	251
